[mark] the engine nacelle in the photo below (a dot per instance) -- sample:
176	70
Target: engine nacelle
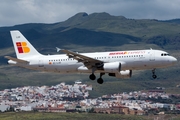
122	74
112	67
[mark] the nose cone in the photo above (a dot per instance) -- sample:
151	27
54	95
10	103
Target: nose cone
173	60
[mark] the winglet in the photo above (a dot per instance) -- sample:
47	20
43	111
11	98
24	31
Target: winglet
58	49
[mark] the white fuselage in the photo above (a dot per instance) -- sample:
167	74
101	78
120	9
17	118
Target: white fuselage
131	60
117	64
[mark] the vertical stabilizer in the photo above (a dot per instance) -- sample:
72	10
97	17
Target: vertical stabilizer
22	46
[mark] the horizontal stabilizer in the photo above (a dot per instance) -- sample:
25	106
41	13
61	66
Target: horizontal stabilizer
16	60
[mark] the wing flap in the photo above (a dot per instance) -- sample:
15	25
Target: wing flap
88	61
80	57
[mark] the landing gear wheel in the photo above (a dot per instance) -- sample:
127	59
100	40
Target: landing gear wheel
92	77
154	76
100	81
153	72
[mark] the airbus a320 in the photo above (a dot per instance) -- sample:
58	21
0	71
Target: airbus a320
119	64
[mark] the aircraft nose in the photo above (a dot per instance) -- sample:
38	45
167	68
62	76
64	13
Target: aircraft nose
173	60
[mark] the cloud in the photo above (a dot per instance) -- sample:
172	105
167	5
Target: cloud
50	11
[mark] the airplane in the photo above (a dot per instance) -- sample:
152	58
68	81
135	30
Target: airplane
119	64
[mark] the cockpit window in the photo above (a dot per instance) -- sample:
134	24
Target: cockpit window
164	54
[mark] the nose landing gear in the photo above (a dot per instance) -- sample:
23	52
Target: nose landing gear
154	75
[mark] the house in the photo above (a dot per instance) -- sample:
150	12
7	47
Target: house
120	110
4	107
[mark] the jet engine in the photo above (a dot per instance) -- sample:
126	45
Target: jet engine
122	74
114	67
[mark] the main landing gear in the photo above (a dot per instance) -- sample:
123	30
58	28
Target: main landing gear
99	80
92	76
154	75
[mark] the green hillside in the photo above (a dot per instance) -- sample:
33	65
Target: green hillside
101	28
91	33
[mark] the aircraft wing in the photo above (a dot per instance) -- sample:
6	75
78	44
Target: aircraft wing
88	61
16	60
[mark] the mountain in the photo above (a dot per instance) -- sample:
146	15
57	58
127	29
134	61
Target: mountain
94	32
97	29
172	21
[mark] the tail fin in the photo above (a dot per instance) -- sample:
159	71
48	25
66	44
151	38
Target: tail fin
22	46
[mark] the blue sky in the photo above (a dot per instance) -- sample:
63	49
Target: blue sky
13	12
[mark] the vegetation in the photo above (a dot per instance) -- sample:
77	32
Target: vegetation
98	29
91	33
11	77
78	116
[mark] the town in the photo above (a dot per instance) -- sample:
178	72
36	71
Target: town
76	98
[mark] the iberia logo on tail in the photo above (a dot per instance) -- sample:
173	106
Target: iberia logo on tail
22	47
